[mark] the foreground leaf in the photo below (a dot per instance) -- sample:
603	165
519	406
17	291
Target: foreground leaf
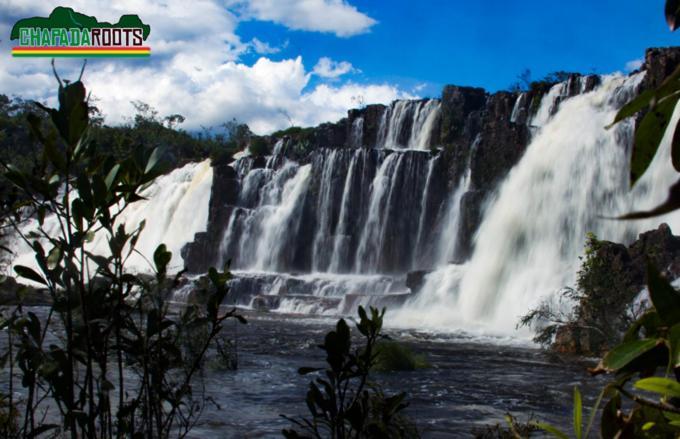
662	386
672	203
672	13
675	148
610	422
633	107
29	273
552	430
650	322
626	352
578	413
674	341
648	137
665	299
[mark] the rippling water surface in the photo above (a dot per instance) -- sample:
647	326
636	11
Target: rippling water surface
470	383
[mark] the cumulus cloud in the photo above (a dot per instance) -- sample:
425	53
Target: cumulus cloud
264	48
264	95
634	65
331	16
194	72
327	68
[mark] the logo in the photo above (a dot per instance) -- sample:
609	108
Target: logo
66	33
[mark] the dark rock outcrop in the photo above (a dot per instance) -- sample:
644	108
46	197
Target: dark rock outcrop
623	279
416	279
660	62
501	144
471	205
371	114
202	252
332	135
461	107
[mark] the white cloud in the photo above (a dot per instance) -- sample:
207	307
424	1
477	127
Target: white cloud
330	103
331	16
419	87
260	95
264	48
327	68
634	65
194	72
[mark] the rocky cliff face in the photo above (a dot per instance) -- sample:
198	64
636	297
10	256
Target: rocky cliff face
200	254
475	137
659	64
620	283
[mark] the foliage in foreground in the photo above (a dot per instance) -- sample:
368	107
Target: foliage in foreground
342	401
512	429
108	359
648	358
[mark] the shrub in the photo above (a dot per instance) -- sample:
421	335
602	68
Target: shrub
258	146
395	356
598	308
342	401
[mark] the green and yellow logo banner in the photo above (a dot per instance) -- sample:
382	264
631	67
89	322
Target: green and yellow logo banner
66	33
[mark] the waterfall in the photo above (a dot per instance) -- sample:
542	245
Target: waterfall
549	104
424	120
528	246
356	137
279	220
448	242
419	245
342	238
382	190
409	124
175	208
323	241
258	231
323	230
518	108
345	215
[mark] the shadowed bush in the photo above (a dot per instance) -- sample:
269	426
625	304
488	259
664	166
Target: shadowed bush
394	356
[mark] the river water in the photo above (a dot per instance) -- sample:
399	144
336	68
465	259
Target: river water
470	383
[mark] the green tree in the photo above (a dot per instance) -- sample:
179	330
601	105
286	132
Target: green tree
107	360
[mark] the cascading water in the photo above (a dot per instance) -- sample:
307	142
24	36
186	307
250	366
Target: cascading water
337	218
174	210
548	105
573	172
356	137
342	226
268	206
340	213
518	108
408	124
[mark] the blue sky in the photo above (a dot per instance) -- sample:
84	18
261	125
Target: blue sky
266	62
486	43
